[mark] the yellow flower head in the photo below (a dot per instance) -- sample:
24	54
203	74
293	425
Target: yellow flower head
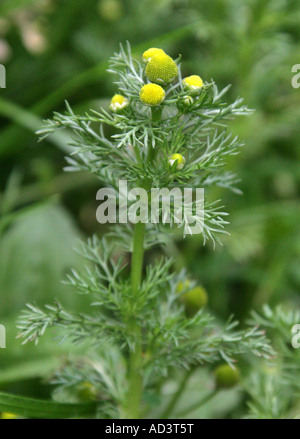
226	376
118	103
152	94
7	415
150	53
161	69
192	83
179	159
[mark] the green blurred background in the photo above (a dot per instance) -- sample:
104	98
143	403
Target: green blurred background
58	49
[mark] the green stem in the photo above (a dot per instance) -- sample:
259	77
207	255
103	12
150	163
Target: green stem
133	401
197	404
174	400
137	257
156	113
134	396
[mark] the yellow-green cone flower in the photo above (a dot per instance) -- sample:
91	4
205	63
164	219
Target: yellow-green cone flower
152	95
194	300
226	376
179	159
192	83
118	103
7	415
161	69
87	391
150	53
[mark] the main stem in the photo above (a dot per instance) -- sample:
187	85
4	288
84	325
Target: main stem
133	402
137	257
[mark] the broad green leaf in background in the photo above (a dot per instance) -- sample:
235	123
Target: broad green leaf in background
35	254
28	370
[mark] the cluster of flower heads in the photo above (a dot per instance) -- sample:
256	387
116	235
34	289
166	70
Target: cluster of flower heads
160	71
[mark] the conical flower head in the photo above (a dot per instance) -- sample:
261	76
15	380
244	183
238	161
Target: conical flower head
161	69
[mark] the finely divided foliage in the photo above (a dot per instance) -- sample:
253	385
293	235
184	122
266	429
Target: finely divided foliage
137	328
198	131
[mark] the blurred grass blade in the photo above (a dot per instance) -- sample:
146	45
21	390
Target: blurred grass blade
22	117
30	122
28	370
35	408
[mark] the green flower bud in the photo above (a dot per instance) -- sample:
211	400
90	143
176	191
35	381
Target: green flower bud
87	391
179	159
226	376
184	103
194	300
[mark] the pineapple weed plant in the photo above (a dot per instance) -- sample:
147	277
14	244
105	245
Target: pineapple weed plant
146	323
